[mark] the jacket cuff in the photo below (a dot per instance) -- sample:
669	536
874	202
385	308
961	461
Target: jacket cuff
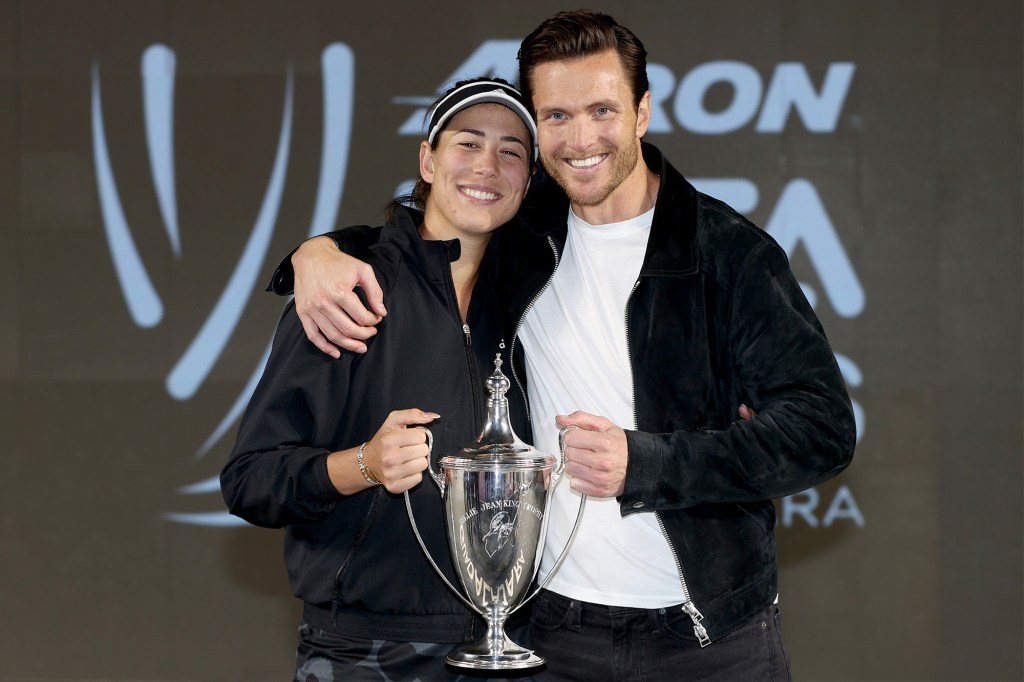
282	282
643	472
319	481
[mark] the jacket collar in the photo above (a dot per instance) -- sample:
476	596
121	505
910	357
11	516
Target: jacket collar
432	257
671	248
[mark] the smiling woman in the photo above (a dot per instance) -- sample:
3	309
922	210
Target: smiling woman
307	458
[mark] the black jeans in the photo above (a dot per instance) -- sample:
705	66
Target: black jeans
590	642
329	657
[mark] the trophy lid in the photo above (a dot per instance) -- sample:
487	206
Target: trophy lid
497	442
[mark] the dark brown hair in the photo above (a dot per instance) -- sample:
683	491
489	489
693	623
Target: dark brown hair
577	34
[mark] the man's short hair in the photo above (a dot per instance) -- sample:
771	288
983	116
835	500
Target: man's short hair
577	34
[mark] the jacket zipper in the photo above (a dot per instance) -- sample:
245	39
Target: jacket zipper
467	337
689	608
470	629
467	341
519	325
364	530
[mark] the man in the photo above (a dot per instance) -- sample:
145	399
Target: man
647	315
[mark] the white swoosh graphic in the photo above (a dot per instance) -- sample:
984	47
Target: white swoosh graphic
339	85
212	519
143	302
158	68
238	407
338	65
193	367
210	485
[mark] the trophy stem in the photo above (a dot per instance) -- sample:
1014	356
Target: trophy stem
495	651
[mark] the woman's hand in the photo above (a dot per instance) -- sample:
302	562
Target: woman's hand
398	455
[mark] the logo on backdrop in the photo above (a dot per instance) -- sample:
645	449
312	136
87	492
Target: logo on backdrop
799	219
140	294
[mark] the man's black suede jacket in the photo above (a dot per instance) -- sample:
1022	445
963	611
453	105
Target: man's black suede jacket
716	319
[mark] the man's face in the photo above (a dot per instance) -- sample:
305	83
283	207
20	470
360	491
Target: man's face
588	130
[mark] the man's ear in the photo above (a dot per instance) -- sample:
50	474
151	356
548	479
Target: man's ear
643	115
426	162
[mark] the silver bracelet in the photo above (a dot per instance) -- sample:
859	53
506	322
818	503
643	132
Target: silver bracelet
363	469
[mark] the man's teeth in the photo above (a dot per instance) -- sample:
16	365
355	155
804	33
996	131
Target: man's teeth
477	194
585	163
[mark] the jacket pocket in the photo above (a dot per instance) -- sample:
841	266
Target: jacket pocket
551	614
763	513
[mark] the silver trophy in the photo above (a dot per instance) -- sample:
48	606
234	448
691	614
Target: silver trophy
496	494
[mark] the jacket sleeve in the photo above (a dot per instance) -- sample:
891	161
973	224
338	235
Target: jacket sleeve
353	240
804	432
276	474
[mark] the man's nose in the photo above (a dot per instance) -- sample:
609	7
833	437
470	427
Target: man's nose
581	134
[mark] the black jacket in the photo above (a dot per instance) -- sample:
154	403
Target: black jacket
716	319
354	559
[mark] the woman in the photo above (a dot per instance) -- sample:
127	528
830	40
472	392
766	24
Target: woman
322	450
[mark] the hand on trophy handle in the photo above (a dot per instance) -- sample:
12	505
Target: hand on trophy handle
597	455
399	453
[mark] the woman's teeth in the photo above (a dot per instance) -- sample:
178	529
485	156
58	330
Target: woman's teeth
477	194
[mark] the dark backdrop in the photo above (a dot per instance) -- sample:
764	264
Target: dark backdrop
157	157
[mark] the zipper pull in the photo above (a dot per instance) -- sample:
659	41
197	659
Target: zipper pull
696	616
468	335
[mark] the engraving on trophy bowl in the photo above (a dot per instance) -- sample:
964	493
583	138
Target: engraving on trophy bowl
497	534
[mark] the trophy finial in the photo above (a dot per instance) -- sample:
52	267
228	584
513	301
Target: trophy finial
498	384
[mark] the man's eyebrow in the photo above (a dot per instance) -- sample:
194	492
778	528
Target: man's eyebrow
589	106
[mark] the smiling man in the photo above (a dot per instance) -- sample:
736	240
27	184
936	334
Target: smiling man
647	315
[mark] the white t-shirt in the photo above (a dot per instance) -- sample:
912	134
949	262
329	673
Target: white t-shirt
574	340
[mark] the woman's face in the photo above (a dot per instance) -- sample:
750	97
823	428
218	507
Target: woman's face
478	173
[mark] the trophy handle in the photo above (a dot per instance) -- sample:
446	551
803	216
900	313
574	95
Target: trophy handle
438	478
556	474
560	467
561	557
426	553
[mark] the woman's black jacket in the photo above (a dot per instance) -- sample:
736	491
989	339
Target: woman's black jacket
354	560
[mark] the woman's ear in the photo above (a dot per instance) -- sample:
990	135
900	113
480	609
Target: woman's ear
426	162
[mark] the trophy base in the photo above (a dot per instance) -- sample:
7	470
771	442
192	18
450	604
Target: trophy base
480	656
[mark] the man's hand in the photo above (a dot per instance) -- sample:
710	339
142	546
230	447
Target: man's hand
595	454
330	311
398	454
